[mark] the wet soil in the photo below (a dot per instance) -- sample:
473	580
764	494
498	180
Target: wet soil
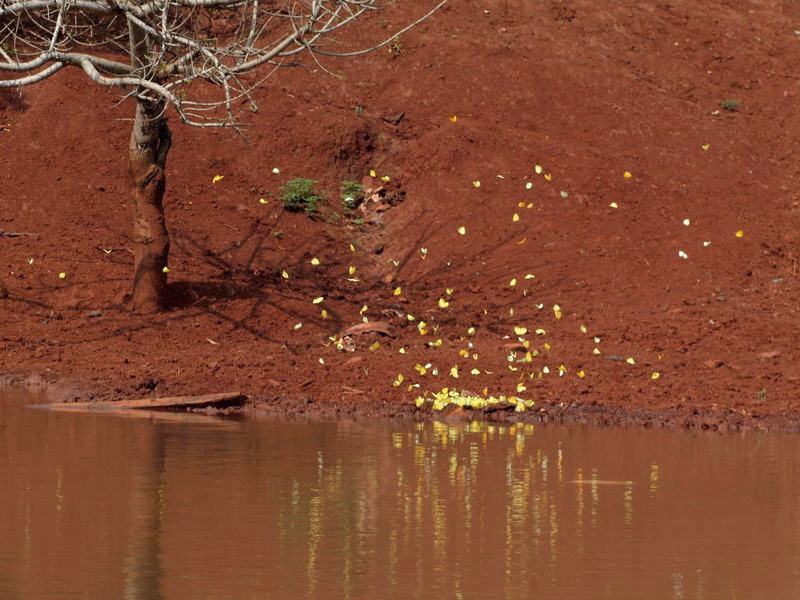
641	117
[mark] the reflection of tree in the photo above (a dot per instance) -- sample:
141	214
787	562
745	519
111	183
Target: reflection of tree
142	564
363	511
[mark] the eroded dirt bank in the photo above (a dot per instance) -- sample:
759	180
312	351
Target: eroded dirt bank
651	258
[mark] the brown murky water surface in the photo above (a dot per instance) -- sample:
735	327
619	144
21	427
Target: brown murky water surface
96	506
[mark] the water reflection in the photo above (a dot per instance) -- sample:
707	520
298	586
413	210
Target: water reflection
100	507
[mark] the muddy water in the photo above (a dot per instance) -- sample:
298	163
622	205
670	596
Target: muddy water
94	506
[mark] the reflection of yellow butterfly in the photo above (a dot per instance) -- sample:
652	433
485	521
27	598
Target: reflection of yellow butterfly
705	147
453	119
443	303
476	184
217	178
548	176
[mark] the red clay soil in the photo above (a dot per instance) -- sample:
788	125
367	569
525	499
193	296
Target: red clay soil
688	266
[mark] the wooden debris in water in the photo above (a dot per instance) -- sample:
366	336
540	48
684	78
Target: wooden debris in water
171	403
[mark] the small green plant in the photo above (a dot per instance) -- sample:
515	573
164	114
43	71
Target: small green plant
300	195
731	105
359	111
278	234
762	395
352	194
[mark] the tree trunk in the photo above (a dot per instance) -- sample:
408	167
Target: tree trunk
150	143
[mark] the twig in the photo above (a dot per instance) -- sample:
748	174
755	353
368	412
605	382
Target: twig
167	45
12	234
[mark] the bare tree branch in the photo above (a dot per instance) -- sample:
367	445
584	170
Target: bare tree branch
155	49
35	78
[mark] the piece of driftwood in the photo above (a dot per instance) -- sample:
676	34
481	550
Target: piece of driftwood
173	403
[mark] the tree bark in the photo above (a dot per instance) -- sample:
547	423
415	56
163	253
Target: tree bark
150	143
